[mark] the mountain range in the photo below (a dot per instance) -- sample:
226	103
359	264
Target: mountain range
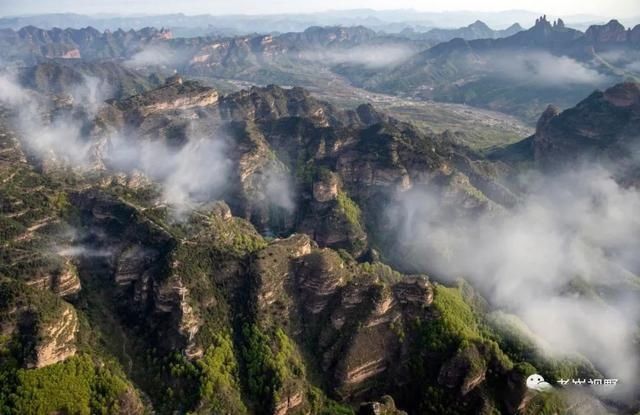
519	74
186	228
476	30
390	21
263	325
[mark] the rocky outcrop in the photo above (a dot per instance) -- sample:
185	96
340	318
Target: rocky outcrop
318	278
542	141
348	317
273	103
63	281
610	33
415	292
288	404
55	339
375	349
466	370
386	406
272	269
336	223
148	286
600	127
634	35
67	283
174	95
133	263
173	303
325	188
625	95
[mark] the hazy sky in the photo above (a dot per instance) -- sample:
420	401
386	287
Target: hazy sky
605	8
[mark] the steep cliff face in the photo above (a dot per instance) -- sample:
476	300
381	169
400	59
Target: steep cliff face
600	129
174	95
66	284
634	36
273	103
386	406
56	339
364	329
137	257
350	318
610	33
358	156
603	126
44	326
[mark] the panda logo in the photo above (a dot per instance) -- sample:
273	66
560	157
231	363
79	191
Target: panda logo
536	382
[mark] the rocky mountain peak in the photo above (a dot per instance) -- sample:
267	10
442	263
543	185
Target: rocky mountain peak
479	24
514	28
337	34
550	113
601	127
634	35
543	23
624	95
174	80
612	32
165	34
368	114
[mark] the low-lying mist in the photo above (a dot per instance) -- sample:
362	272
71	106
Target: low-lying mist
564	261
198	171
369	56
544	69
157	55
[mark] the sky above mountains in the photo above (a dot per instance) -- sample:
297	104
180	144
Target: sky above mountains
602	8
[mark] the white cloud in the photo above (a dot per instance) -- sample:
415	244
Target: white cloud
156	55
371	56
573	229
543	69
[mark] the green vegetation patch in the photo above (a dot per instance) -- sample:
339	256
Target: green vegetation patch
76	386
350	209
456	323
272	363
219	386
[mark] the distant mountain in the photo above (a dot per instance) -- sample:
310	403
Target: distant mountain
477	30
31	44
103	79
602	128
557	37
519	74
390	21
261	59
